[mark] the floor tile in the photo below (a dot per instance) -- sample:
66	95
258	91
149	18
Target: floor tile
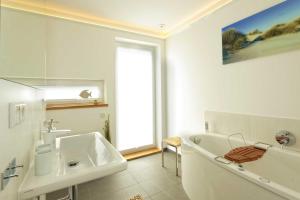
111	183
123	194
161	196
144	176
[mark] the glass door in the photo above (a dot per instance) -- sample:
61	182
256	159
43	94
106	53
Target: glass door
135	97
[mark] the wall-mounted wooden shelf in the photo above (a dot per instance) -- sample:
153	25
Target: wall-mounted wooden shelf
62	106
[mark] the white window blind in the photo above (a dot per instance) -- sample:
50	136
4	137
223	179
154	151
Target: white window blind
135	97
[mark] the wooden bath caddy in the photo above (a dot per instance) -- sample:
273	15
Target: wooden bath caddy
245	154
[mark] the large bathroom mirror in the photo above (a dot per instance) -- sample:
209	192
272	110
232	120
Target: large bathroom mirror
23	40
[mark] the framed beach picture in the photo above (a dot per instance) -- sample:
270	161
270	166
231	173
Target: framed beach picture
269	32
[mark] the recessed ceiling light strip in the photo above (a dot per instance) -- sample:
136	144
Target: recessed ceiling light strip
78	17
207	10
44	9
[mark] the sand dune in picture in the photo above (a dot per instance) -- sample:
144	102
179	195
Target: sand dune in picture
268	47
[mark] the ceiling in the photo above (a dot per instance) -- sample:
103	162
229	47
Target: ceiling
146	13
141	16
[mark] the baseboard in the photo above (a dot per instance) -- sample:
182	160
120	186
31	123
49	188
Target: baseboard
140	154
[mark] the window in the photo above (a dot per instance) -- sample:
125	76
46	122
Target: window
135	81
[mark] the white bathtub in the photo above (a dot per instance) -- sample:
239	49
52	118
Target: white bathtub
276	176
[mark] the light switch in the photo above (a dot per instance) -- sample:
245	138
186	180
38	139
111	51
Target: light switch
17	113
13	115
22	112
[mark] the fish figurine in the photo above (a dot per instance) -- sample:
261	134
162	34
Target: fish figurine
85	94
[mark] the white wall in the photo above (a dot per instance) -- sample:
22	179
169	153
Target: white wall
252	127
23	44
80	120
17	142
82	51
197	80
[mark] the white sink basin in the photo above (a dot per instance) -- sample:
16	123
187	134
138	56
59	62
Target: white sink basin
87	150
95	158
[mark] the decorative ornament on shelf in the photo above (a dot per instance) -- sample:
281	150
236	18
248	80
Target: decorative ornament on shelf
85	94
106	129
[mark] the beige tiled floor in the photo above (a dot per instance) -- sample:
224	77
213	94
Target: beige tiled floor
144	176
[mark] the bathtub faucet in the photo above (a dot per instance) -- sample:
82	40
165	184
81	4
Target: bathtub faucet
285	138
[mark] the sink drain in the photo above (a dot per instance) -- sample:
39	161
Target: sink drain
73	163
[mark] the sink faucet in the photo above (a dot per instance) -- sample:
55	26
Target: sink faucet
49	135
50	125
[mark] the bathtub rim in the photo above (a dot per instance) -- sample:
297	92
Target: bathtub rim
271	186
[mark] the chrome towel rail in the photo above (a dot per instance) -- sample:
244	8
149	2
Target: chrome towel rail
235	134
222	160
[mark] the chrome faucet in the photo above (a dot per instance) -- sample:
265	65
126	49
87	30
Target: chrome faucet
50	125
49	134
285	138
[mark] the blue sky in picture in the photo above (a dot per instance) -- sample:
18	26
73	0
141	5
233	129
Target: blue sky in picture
281	13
